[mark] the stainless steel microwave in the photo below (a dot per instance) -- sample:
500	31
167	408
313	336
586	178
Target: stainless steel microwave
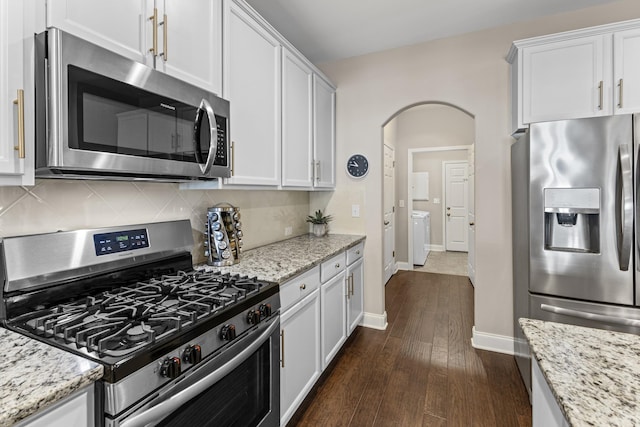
101	115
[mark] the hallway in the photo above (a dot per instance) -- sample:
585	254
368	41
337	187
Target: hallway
422	370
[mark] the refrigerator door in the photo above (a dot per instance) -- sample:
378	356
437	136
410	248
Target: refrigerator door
581	209
636	154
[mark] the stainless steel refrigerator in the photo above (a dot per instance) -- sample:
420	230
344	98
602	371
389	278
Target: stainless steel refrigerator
575	248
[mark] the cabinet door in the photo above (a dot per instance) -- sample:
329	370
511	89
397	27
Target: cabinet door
122	26
297	81
252	86
193	31
334	311
16	82
75	410
324	133
567	79
626	71
301	366
355	294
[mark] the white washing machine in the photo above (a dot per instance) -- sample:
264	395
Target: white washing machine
421	236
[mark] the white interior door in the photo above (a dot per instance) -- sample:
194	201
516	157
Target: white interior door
389	219
456	206
472	218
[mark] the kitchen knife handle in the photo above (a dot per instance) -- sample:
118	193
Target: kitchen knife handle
626	208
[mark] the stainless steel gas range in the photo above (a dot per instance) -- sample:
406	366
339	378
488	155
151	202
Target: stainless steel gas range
179	346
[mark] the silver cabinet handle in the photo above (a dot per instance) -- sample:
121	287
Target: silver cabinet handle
156	413
590	316
338	265
317	170
282	348
600	89
358	252
620	92
626	222
303	287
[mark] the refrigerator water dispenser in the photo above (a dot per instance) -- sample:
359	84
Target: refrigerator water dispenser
572	219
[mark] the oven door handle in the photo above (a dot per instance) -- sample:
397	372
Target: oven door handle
158	412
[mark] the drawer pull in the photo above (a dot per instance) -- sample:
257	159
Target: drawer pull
303	287
337	265
358	252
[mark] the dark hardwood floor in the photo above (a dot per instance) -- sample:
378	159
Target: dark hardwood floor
421	371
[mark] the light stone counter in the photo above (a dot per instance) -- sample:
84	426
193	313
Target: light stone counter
283	260
34	375
594	374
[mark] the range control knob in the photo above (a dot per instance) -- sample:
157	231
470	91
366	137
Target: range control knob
253	317
228	332
171	367
265	310
192	354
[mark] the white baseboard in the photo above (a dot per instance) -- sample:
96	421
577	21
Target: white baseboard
375	321
492	342
437	248
403	266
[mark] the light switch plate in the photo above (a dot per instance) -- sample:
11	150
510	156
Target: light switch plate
355	211
436	200
401	203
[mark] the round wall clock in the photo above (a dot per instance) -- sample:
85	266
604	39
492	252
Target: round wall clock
357	166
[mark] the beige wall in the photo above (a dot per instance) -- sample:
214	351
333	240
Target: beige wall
53	205
425	126
467	71
432	162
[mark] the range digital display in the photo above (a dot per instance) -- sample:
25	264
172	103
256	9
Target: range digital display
120	241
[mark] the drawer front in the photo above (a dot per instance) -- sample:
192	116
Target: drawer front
355	253
299	287
331	267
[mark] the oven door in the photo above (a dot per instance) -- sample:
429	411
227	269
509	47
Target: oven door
239	387
107	114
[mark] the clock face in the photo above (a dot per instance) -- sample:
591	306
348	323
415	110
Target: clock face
357	166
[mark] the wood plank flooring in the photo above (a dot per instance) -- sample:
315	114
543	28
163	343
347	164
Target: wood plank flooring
421	371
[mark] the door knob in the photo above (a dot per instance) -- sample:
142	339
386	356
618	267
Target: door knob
472	223
448	208
448	214
386	223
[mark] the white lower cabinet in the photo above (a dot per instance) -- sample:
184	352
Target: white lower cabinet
545	409
75	410
300	365
334	312
355	294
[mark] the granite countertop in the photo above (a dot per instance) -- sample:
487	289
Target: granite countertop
594	374
34	375
280	261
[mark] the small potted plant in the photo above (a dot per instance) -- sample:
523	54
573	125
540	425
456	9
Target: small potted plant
319	221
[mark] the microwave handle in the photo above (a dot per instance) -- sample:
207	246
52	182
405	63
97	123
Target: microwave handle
206	107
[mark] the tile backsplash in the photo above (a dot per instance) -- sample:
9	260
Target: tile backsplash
53	205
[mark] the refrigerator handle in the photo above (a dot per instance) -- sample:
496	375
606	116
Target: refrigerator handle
591	316
626	207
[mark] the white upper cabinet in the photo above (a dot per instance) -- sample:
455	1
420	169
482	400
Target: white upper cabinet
297	109
324	131
177	37
117	25
252	72
17	92
192	49
626	71
564	80
583	73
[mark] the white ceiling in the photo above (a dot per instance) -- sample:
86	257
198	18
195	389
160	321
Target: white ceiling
325	30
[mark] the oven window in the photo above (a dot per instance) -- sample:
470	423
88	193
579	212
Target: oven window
242	398
110	116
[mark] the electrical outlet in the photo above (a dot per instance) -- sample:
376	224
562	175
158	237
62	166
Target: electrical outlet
288	231
355	211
